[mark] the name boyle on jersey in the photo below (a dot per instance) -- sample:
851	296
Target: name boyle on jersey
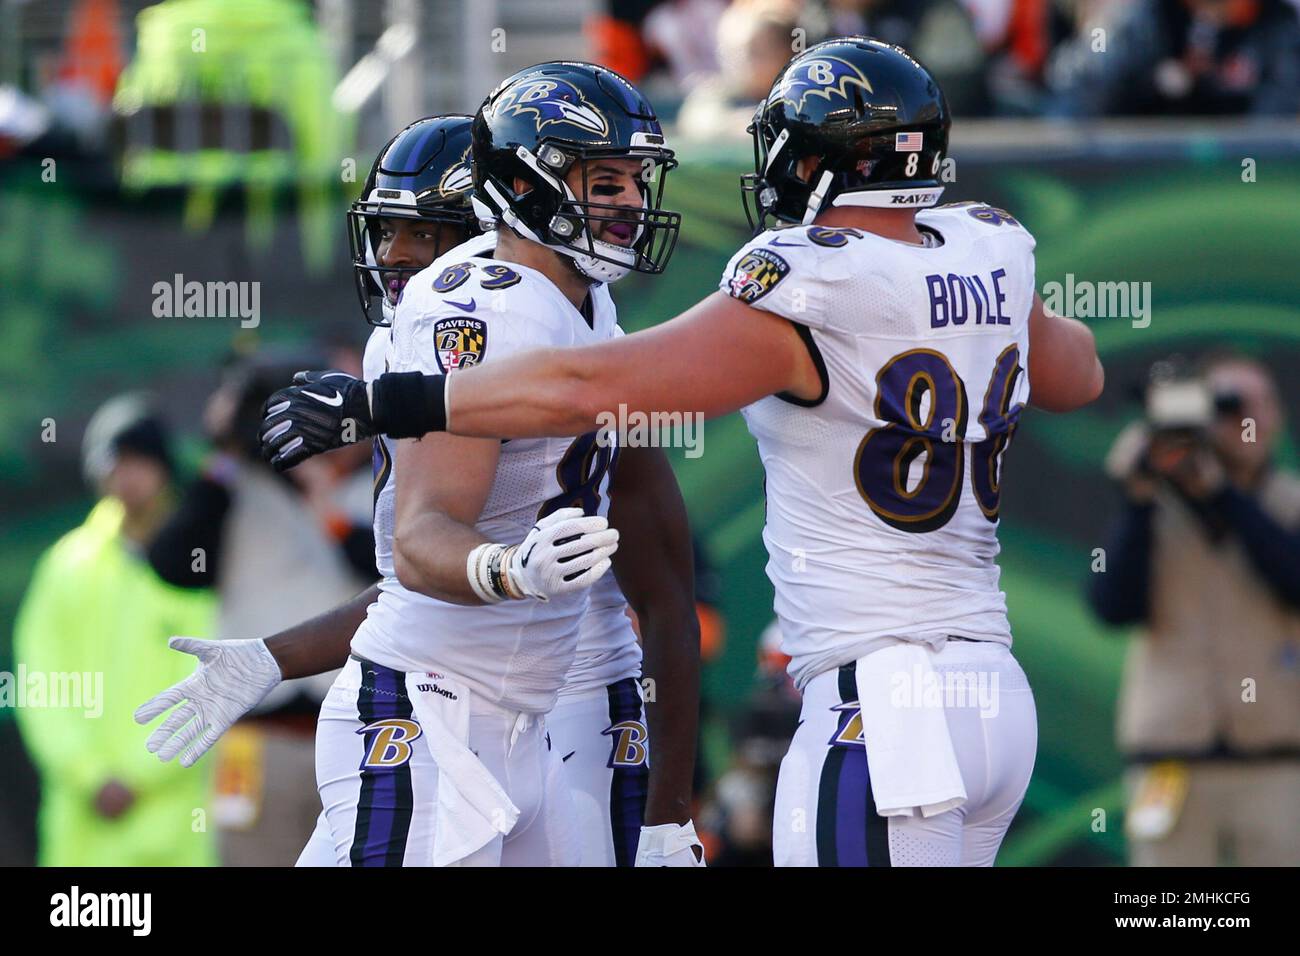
461	342
956	299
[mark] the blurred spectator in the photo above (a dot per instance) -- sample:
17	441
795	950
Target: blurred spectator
638	37
616	39
1206	555
277	549
754	40
939	33
682	34
1196	57
95	623
1018	36
71	116
87	73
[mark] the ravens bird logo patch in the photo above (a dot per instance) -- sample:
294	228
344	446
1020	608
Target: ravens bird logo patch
756	274
461	342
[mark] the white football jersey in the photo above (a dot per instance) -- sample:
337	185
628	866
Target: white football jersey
374	364
882	497
464	309
607	650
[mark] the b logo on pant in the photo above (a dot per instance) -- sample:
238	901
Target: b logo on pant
629	739
848	732
391	744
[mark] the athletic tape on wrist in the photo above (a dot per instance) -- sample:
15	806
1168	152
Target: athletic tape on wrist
476	570
508	583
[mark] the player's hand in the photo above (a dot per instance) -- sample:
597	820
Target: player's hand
232	678
318	412
670	844
566	551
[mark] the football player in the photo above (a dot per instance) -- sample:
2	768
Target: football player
416	192
854	335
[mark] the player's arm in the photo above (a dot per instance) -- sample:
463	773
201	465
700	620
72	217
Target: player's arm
655	571
321	644
442	485
443	482
715	358
235	676
1064	370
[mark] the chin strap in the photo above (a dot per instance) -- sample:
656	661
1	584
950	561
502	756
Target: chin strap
817	196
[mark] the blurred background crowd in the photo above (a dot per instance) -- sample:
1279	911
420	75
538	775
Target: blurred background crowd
1157	613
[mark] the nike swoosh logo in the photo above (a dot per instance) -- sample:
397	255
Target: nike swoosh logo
774	241
335	402
468	307
523	563
568	755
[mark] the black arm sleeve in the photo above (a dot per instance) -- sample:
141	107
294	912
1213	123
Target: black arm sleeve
1120	594
1273	550
196	523
408	404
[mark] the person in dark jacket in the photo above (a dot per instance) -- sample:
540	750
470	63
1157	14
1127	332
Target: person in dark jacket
1205	557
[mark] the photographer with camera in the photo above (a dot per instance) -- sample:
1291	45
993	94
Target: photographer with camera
1206	555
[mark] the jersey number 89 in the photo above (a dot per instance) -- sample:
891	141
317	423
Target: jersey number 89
938	430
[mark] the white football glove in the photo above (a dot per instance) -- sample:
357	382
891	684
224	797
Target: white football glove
564	552
232	678
670	845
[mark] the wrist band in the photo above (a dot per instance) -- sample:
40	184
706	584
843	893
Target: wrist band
494	573
507	583
476	570
408	404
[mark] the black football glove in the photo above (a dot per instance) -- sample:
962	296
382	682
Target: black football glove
319	412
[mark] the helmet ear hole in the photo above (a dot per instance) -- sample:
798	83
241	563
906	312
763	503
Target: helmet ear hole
806	168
